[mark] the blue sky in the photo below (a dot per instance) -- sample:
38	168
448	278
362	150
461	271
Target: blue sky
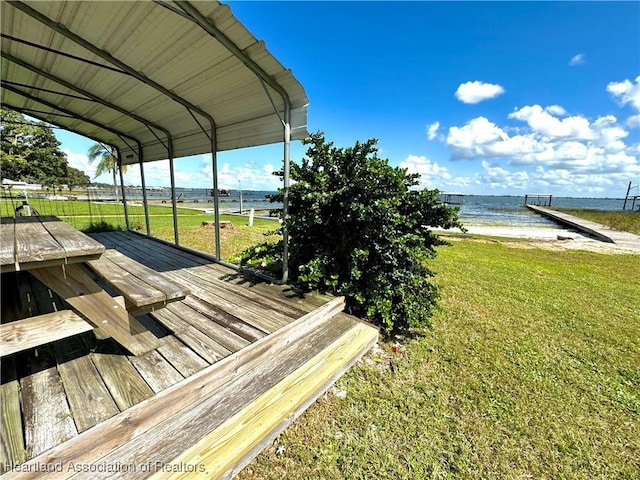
480	98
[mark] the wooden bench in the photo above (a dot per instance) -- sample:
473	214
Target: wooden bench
42	329
143	289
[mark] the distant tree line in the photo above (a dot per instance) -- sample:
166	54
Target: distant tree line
30	152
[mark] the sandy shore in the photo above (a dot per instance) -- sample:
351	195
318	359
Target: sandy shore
556	238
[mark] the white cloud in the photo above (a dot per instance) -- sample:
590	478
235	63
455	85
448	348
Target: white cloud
195	171
555	180
626	92
268	169
633	121
431	174
432	130
608	134
81	162
577	183
475	92
579	59
480	138
542	121
156	174
497	177
565	152
251	176
479	131
556	110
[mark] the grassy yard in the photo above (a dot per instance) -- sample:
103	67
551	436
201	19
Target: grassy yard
232	240
622	220
81	214
532	371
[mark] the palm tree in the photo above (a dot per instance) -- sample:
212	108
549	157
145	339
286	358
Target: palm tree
108	162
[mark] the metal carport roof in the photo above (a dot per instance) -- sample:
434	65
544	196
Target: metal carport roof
155	79
154	74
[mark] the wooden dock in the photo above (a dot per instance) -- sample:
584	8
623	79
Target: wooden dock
596	230
238	360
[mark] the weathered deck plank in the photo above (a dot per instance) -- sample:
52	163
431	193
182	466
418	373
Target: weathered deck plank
273	297
156	371
168	439
137	292
123	381
89	400
223	319
162	426
143	288
7	242
266	296
159	281
32	245
181	357
206	318
74	242
12	451
206	347
241	307
47	418
224	280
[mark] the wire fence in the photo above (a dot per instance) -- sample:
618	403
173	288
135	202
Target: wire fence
81	208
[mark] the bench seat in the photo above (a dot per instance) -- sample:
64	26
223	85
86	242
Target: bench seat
143	289
39	330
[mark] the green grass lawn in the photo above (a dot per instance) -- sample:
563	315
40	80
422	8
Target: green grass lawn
232	240
81	214
531	371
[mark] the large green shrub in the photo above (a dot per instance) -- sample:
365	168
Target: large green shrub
357	229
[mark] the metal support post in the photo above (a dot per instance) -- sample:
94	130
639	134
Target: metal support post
285	196
174	200
144	196
216	197
124	195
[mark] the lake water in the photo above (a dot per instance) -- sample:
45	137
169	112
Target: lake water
476	209
510	210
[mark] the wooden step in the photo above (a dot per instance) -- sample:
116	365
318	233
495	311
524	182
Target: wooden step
167	424
230	447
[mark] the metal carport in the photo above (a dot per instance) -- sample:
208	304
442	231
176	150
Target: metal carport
155	80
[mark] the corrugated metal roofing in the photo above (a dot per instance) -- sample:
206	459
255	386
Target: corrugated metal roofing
106	70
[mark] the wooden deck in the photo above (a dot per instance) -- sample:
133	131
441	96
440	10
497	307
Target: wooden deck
238	361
